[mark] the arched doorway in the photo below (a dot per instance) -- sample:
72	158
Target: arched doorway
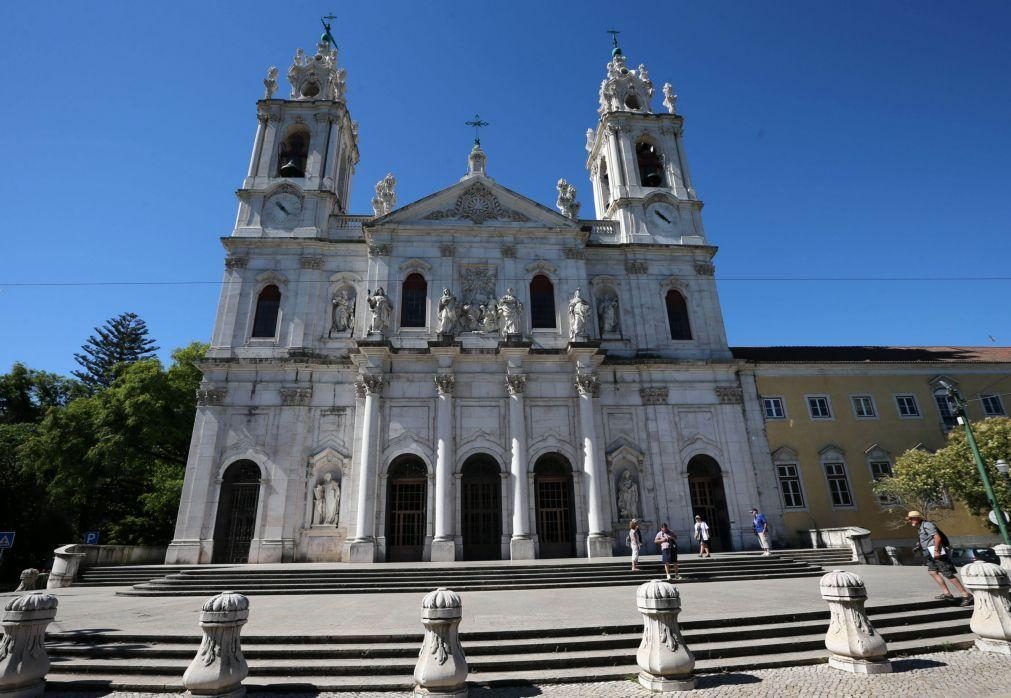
705	482
406	502
236	520
556	518
481	508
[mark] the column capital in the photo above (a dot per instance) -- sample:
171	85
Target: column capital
587	385
369	384
516	383
445	383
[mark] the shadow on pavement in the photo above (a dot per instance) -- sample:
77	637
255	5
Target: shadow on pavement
914	664
717	680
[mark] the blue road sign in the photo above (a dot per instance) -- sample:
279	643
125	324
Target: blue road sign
6	539
91	538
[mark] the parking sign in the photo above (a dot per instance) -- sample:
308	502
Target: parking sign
91	538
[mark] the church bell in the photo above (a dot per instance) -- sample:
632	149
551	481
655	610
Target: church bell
291	169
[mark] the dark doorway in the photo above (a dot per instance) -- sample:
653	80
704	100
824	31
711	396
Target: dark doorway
236	520
481	509
705	482
556	519
406	501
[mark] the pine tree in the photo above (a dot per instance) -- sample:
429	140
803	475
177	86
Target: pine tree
122	340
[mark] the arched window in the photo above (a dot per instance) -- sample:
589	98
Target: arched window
268	304
542	302
413	301
605	183
677	316
292	154
650	165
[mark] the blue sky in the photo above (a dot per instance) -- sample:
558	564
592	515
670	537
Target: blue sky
857	139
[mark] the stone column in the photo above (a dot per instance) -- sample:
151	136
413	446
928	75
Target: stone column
615	167
363	547
23	658
663	656
991	613
851	639
1004	553
254	158
441	670
521	546
219	667
598	541
443	545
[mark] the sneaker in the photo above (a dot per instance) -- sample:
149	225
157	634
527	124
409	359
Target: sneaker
944	597
678	576
966	600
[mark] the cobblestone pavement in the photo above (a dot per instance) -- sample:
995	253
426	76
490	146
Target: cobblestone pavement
962	673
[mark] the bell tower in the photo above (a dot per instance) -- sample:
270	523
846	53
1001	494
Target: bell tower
304	153
637	163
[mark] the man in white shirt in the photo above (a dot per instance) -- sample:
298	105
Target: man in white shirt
702	536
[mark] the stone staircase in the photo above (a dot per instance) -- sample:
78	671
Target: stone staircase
207	580
89	661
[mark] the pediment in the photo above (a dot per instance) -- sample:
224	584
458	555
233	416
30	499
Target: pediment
475	201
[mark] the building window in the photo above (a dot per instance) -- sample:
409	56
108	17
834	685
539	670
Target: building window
413	300
819	407
650	165
838	485
907	406
789	483
945	409
992	406
542	303
268	305
881	469
677	316
863	407
773	407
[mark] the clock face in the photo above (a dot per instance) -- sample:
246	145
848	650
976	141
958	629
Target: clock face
662	218
282	210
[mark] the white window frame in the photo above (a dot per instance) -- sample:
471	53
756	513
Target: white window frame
870	399
916	404
941	394
800	485
782	407
875	456
999	412
828	406
833	455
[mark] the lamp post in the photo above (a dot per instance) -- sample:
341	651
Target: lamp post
963	418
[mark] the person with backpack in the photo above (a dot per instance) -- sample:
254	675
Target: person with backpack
634	541
935	547
701	534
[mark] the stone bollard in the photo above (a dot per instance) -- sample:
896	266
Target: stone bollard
23	658
442	666
893	555
991	613
28	579
219	667
854	644
663	656
65	566
1004	553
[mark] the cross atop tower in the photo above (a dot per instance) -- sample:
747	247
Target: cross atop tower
327	36
477	124
614	39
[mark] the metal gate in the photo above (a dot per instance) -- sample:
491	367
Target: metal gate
555	516
236	522
481	513
405	523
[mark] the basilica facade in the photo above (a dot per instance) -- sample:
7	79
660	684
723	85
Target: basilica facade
473	375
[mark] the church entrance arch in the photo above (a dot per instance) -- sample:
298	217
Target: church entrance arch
406	500
236	519
556	519
709	500
481	508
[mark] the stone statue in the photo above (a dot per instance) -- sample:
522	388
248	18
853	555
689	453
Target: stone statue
628	497
270	82
385	199
670	98
579	313
567	203
379	304
589	138
470	317
510	309
331	500
319	506
343	315
447	312
608	314
489	317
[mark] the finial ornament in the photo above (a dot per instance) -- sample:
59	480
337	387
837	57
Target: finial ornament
477	124
385	199
270	82
614	39
567	204
670	98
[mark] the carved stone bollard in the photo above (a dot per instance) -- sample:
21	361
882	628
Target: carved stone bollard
1004	553
663	656
23	658
854	644
442	667
893	555
28	579
991	613
219	667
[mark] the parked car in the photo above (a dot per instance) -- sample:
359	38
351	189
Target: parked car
963	556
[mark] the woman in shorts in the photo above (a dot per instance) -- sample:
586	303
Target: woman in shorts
668	543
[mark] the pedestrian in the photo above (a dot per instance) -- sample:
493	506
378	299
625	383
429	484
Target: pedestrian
762	531
701	534
668	543
634	541
935	547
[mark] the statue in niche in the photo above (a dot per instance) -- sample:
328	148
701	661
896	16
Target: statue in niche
510	309
628	497
447	312
607	311
319	505
343	314
379	304
326	501
579	313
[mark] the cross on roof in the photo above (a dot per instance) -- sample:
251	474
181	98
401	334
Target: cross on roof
614	39
477	124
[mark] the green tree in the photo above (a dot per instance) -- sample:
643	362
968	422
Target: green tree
26	394
122	340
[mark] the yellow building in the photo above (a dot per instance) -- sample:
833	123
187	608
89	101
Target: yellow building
837	418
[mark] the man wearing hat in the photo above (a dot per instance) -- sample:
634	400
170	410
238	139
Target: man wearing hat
934	545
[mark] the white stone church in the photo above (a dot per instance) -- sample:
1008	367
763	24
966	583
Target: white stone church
473	375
